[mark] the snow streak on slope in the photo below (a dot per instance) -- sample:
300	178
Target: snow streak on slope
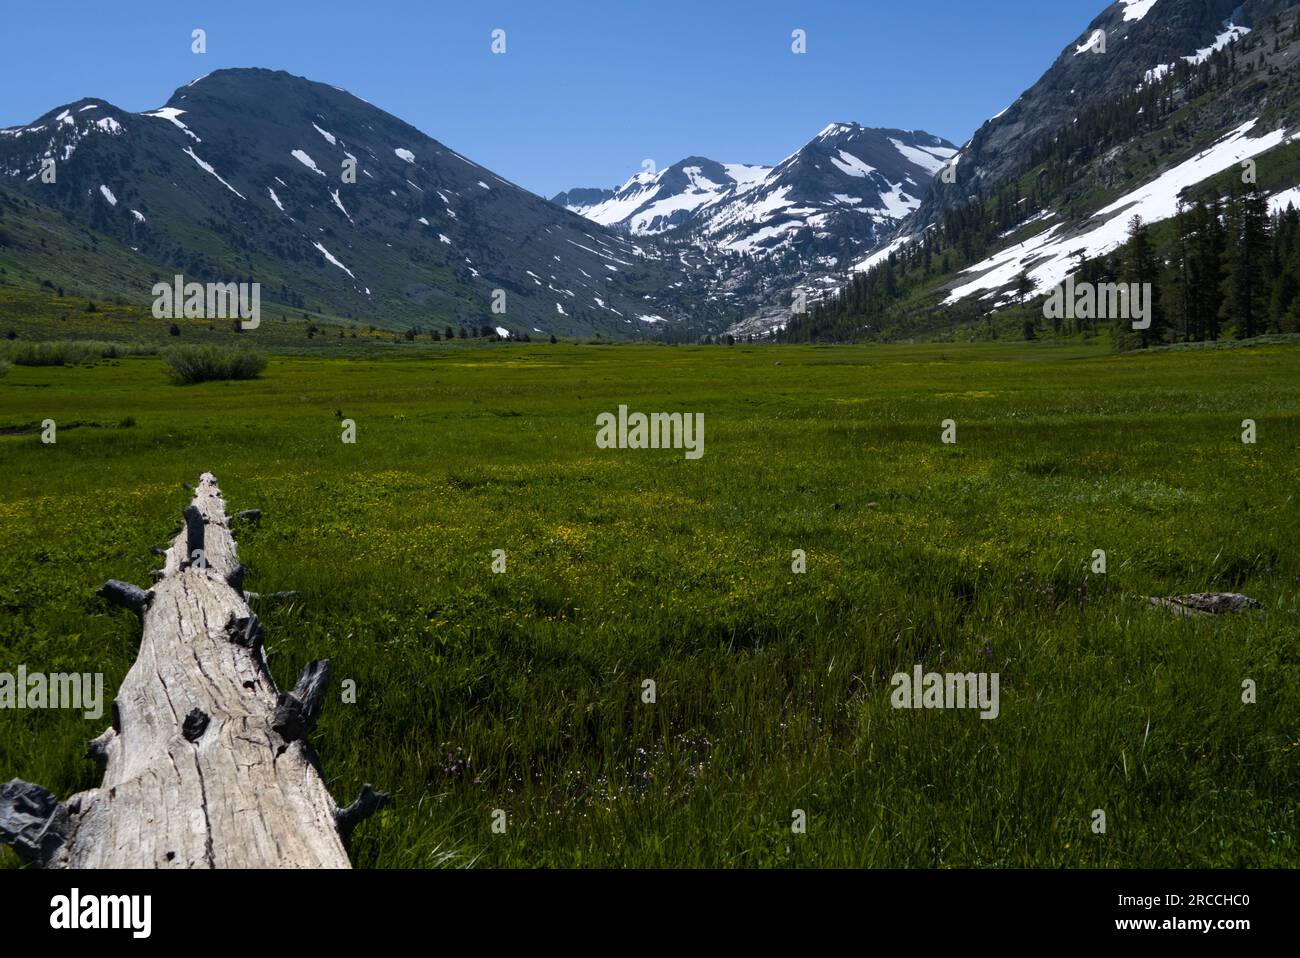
1231	34
1051	256
330	256
208	167
882	254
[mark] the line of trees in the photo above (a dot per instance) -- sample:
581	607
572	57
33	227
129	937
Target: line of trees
1229	268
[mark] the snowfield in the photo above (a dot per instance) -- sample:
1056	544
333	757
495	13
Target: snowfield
1051	256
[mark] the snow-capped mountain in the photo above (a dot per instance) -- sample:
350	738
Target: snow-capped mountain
655	202
840	193
240	175
1158	105
1130	43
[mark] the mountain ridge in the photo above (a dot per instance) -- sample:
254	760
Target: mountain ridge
241	173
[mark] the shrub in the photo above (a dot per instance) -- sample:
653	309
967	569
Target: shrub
4	367
66	352
197	364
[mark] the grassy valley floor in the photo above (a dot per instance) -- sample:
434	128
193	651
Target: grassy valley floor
522	691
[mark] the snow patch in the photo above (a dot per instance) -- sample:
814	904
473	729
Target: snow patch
307	161
1278	202
880	255
851	165
931	158
747	177
1229	36
1137	9
170	114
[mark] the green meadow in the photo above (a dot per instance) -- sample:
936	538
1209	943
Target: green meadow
523	690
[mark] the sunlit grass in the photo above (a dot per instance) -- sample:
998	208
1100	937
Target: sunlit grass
522	691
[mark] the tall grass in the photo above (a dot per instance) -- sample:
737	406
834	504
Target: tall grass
523	690
198	364
67	352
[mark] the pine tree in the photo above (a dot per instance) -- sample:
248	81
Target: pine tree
1245	301
1207	271
1140	267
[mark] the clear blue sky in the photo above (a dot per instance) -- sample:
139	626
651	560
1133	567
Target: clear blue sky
587	89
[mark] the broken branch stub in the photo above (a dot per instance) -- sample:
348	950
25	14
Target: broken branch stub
296	711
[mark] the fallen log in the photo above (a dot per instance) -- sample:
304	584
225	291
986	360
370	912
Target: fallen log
206	763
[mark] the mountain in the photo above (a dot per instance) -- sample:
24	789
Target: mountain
842	191
656	202
764	236
240	176
1195	104
575	201
1143	41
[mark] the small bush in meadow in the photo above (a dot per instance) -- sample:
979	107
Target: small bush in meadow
4	367
198	364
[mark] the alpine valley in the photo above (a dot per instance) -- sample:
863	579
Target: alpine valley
861	233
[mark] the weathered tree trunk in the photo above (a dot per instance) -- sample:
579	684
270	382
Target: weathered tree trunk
206	763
